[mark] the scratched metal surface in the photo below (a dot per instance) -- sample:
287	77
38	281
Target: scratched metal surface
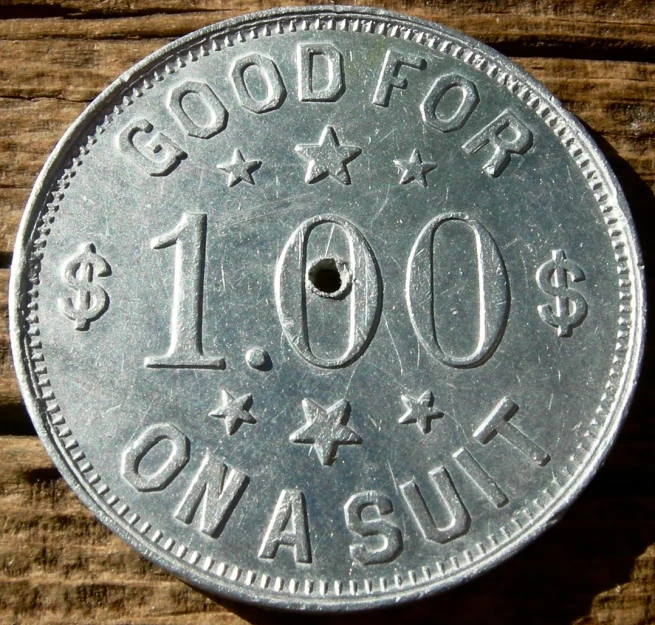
333	315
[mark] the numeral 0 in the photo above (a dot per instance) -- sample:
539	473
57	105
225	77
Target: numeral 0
493	289
291	291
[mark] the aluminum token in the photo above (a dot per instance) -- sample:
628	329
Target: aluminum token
327	308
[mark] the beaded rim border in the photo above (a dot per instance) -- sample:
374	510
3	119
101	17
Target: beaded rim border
308	593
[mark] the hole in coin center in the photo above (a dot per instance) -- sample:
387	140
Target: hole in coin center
325	275
329	277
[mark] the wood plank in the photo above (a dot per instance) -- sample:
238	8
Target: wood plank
9	393
12	200
58	564
70	70
601	28
36	127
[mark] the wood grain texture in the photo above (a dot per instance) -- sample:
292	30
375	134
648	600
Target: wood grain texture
598	28
59	565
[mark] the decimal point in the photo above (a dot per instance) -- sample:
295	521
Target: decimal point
259	359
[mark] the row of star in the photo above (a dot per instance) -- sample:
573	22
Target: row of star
327	158
325	428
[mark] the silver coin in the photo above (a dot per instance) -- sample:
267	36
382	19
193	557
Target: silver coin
327	308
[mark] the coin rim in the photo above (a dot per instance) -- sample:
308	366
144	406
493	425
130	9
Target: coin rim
295	602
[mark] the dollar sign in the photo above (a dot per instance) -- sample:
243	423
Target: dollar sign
570	305
91	299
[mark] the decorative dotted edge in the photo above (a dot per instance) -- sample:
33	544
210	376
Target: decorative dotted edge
369	586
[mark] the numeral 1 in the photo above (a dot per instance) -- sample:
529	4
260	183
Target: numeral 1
185	350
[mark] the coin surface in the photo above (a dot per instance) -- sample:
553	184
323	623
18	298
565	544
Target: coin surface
327	308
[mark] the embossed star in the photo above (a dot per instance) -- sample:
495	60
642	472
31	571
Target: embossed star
325	429
240	169
327	157
234	411
420	411
414	169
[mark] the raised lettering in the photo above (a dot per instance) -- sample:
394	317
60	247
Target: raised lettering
506	135
480	478
158	435
216	490
468	100
203	125
493	289
360	283
497	423
459	519
387	535
390	78
185	350
288	527
268	73
157	157
324	82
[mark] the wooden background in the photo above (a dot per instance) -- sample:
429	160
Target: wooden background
58	565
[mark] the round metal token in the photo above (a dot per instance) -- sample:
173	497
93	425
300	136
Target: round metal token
327	308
